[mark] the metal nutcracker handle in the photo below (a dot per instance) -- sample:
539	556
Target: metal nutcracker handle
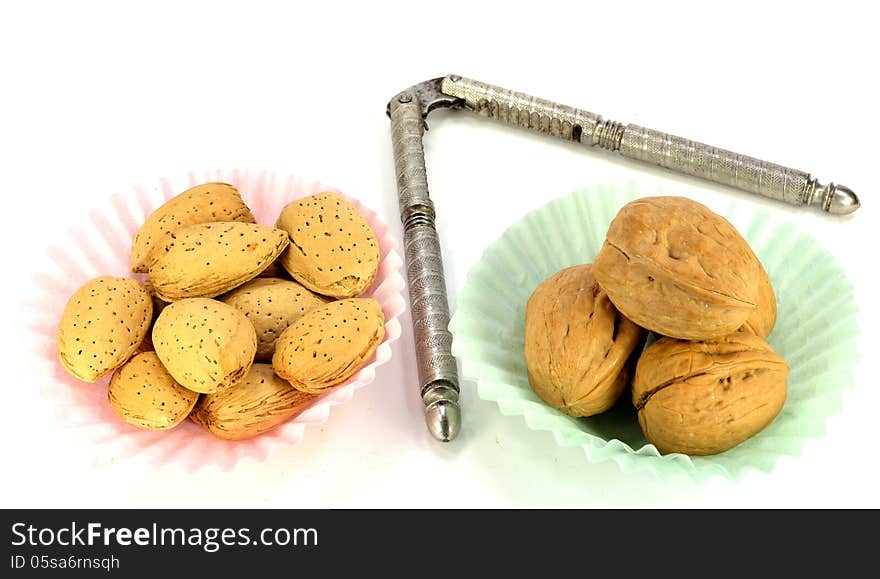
438	374
655	147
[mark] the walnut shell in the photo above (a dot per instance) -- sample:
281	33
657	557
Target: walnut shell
706	397
577	344
762	320
676	268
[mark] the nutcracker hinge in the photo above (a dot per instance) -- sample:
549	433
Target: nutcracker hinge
429	95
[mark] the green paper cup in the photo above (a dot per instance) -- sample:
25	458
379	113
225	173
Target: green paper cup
815	332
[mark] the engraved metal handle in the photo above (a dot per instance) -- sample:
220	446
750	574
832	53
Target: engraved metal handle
669	151
438	374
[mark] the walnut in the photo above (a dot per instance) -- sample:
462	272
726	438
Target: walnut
676	268
577	345
762	320
706	397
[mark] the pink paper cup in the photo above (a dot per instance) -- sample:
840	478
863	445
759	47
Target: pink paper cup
105	248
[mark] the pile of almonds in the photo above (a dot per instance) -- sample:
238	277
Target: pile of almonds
238	326
669	266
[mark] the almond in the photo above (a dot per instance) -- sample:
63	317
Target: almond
202	204
332	249
261	402
271	305
205	345
208	259
329	344
102	326
144	394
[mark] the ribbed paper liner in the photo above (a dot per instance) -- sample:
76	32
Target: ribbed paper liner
815	331
105	248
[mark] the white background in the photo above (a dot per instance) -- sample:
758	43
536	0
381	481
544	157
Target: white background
95	97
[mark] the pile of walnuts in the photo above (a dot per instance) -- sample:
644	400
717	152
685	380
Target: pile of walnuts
669	266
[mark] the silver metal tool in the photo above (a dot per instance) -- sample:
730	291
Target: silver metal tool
675	153
438	375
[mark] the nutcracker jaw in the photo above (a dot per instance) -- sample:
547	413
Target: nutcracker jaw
429	95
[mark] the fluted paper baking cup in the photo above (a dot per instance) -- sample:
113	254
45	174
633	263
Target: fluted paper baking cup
104	248
815	332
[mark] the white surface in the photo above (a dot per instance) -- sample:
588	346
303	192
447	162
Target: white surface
98	97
